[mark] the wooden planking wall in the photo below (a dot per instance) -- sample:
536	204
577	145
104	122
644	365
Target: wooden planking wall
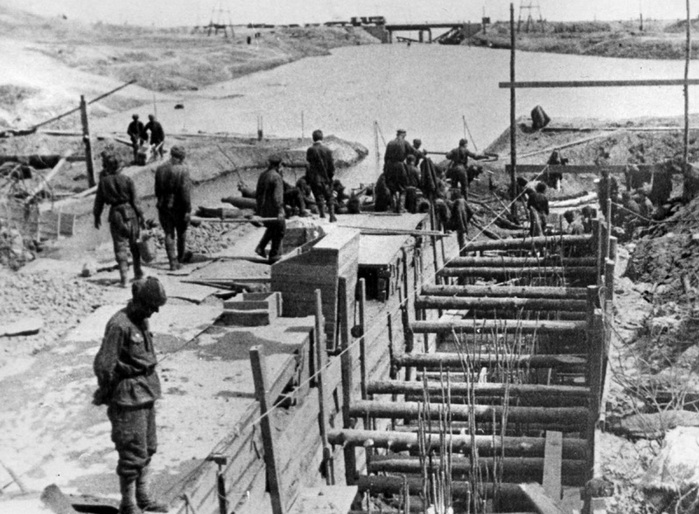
297	278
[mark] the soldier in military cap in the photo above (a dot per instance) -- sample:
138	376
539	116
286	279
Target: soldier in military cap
173	189
270	204
125	215
129	386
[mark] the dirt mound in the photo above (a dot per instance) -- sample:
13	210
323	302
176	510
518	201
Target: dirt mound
669	257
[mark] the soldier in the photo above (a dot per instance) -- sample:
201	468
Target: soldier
129	386
320	173
157	134
270	204
420	153
397	150
607	187
538	206
136	131
173	189
125	215
459	165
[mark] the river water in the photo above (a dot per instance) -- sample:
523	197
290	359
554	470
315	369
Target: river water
425	89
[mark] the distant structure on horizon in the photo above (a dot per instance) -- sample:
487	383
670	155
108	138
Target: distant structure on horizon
221	20
529	6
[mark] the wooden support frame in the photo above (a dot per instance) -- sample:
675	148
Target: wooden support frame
259	374
597	83
321	358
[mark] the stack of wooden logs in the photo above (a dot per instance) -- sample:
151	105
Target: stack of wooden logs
524	366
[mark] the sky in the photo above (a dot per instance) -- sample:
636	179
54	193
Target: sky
163	13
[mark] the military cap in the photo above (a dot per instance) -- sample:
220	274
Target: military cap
400	131
275	159
149	291
178	152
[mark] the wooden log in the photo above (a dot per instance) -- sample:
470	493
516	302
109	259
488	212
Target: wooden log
56	118
572	293
362	339
513	315
551	394
515	468
87	139
230	221
527	242
544	262
346	367
573	448
372	231
259	373
472	302
411	411
457	361
508	272
597	83
511	494
520	326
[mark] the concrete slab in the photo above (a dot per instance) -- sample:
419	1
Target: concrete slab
183	320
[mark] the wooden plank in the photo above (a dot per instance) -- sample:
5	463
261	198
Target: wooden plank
596	83
21	327
328	500
541	501
553	459
259	373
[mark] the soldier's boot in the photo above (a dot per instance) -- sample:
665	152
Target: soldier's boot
171	252
321	209
181	247
137	269
128	503
143	497
123	273
331	206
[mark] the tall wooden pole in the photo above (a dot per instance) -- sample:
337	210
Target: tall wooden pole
88	143
513	122
685	160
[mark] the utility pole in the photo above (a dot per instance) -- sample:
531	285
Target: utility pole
513	121
688	193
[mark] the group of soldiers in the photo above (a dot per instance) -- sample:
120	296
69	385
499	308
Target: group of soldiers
151	135
276	198
173	189
412	182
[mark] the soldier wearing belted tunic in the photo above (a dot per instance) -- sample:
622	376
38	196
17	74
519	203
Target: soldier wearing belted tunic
125	215
129	386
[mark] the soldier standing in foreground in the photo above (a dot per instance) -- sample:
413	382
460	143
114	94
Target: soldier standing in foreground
270	204
320	174
129	385
125	215
173	189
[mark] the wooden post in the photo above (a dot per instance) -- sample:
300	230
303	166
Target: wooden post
259	374
685	156
321	362
613	244
88	143
347	386
362	339
596	359
553	461
513	121
608	286
610	226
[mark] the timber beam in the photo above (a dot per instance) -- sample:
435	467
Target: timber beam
580	169
569	293
516	304
514	468
543	262
413	410
548	394
573	448
498	327
526	243
460	361
509	272
597	83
